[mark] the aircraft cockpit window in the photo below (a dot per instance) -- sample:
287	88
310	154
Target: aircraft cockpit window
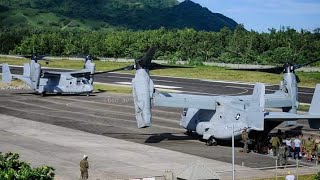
85	82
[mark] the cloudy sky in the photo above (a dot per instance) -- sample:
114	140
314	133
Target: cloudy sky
260	15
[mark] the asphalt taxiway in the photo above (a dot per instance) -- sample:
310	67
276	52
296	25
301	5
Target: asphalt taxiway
112	116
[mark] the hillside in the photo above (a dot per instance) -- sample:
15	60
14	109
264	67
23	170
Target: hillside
106	14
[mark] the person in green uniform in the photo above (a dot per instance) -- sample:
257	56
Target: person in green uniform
245	140
275	143
84	166
283	154
308	145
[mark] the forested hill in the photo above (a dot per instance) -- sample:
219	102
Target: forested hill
106	14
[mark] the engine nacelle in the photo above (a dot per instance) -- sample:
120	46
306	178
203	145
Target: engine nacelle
142	89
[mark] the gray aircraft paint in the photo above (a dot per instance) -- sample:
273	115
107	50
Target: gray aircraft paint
213	116
72	82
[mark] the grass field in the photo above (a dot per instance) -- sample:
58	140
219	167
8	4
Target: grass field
111	88
309	79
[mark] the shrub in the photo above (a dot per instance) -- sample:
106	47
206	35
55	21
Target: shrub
12	168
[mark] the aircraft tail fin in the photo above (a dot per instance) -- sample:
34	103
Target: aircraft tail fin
6	74
255	116
315	103
258	100
89	66
26	70
315	108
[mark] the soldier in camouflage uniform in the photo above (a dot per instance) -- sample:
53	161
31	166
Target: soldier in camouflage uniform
275	142
245	140
84	166
283	154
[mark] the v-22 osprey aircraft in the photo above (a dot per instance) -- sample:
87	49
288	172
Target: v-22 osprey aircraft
43	82
214	117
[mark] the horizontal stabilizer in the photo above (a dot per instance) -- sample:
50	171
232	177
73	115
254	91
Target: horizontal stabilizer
284	116
313	116
6	74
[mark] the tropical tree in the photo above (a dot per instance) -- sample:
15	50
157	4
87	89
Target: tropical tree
11	168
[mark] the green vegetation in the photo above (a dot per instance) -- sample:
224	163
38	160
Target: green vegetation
12	168
194	47
112	88
101	14
317	176
303	108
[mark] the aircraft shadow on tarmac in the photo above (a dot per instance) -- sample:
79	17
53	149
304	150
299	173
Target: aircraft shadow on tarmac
157	138
151	138
47	95
91	94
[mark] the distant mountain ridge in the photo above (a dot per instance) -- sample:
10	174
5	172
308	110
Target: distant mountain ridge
100	14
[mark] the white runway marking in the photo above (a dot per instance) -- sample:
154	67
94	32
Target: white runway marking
119	77
231	82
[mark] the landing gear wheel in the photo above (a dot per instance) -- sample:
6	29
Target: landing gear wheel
43	94
88	94
188	132
211	142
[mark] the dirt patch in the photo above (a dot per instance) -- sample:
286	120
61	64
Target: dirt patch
13	85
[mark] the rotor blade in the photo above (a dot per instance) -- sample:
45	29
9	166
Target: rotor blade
145	62
305	64
33	57
274	70
130	67
155	66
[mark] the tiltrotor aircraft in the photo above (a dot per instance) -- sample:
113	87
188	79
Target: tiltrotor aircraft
43	82
214	117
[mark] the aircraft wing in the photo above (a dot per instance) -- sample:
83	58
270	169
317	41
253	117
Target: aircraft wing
275	100
284	116
184	100
51	74
79	73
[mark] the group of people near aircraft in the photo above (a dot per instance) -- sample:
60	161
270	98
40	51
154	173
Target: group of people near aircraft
284	146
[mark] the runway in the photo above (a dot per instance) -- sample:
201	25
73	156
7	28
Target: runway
112	115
